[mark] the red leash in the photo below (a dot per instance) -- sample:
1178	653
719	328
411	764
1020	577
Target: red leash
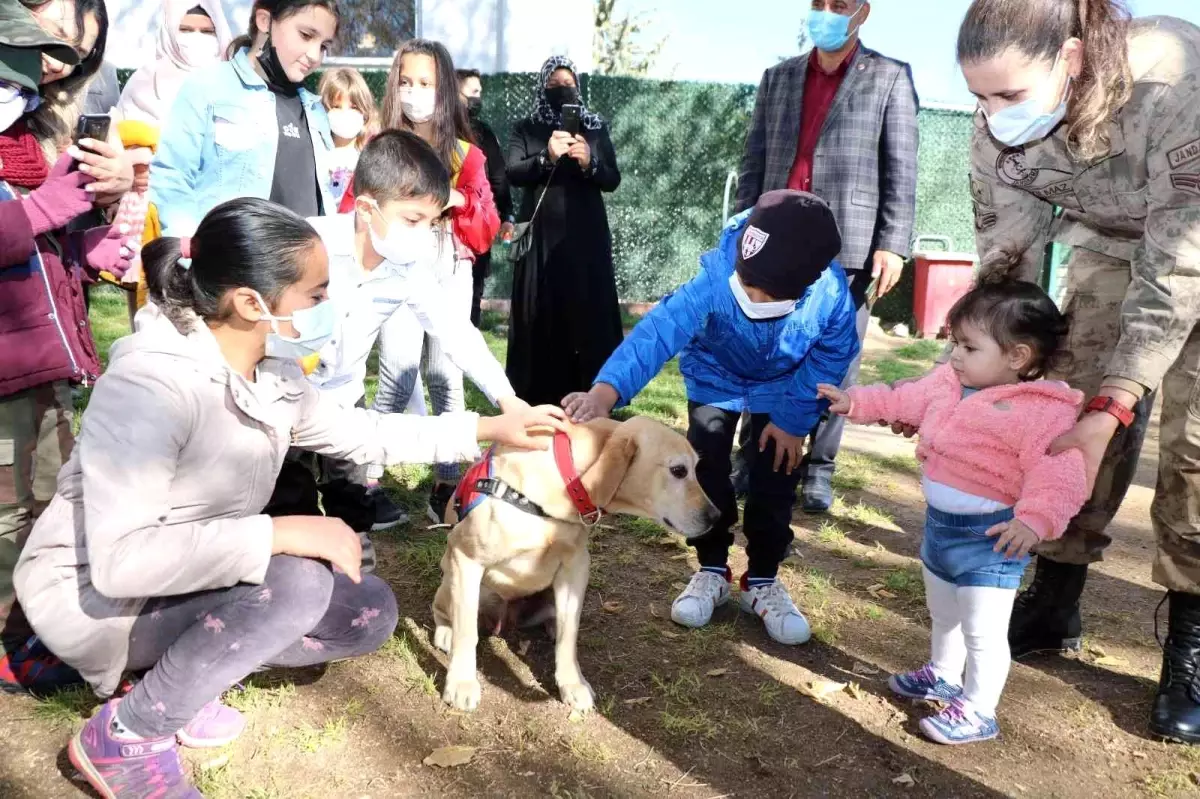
589	514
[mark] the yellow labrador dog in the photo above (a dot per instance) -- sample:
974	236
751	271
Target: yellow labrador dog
527	536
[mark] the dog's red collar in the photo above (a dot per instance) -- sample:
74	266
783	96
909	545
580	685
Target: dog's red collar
589	514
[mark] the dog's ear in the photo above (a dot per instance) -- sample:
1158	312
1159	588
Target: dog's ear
605	475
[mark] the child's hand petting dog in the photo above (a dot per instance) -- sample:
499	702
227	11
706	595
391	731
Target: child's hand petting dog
1015	539
583	406
518	429
839	401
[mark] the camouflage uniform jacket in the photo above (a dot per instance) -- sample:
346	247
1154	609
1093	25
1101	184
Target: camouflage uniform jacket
1139	203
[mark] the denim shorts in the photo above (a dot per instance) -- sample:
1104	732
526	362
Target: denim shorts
958	550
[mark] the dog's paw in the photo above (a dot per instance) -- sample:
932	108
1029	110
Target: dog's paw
578	695
442	636
462	694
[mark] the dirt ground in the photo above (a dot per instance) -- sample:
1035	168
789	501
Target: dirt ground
718	712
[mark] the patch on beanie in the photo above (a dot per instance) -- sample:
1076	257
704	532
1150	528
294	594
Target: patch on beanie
753	240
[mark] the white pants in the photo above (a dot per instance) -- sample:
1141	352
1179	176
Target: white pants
970	634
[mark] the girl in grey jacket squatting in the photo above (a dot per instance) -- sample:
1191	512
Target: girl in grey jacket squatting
155	555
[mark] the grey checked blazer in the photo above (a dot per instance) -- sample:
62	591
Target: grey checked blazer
865	165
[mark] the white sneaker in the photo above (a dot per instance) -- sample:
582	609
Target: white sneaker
704	594
772	603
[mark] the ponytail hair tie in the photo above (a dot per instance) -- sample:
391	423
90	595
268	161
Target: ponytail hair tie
185	252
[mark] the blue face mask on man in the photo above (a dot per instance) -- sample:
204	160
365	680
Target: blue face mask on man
829	30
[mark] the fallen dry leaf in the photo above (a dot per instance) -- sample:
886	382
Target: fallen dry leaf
680	556
856	691
821	690
1097	650
1109	660
863	668
637	700
717	672
879	592
904	779
669	635
522	648
1140	755
450	756
612	606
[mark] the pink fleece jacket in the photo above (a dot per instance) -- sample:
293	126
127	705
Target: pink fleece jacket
991	444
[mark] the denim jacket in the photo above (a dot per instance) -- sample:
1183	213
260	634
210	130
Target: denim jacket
213	148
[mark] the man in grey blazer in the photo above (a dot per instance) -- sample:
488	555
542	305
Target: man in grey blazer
840	122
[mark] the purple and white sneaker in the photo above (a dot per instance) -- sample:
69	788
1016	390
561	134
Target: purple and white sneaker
215	725
958	723
924	684
141	768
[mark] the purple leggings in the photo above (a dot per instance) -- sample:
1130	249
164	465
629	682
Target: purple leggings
198	645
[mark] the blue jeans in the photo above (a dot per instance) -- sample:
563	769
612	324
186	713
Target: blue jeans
958	550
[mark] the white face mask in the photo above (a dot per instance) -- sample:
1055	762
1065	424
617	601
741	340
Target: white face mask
1025	122
758	310
418	103
199	49
401	245
314	327
11	109
346	123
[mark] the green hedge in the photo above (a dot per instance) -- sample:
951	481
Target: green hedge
675	144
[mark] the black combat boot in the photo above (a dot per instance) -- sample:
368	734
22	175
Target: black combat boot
1176	712
1045	617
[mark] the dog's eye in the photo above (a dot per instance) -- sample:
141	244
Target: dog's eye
679	472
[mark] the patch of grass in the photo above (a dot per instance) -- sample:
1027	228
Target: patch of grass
695	724
768	693
921	350
817	585
644	530
825	632
705	641
862	514
829	533
1169	784
906	583
589	750
683	689
418	561
854	472
68	707
260	694
310	739
404	647
873	612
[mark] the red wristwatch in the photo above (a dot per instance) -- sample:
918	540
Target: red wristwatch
1113	408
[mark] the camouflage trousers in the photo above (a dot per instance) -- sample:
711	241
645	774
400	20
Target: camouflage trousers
1096	286
35	441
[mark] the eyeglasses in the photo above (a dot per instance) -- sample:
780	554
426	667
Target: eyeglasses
11	91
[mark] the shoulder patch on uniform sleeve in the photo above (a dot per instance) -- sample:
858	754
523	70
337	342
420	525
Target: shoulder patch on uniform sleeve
1186	154
1186	182
981	191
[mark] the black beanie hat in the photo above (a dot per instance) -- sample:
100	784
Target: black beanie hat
789	240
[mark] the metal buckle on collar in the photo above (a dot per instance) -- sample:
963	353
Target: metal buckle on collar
592	519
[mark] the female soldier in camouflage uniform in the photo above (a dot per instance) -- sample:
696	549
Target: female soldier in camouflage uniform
1099	116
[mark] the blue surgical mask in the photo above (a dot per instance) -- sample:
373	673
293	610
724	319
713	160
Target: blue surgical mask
829	30
314	327
1025	122
759	310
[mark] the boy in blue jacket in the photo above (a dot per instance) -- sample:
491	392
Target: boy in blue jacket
768	318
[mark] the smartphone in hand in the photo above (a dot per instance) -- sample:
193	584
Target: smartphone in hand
570	115
91	126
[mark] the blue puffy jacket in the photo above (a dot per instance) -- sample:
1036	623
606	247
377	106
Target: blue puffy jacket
735	363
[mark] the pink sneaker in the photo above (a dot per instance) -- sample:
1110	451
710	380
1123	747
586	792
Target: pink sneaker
142	768
215	725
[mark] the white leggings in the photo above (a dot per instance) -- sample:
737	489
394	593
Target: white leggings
970	632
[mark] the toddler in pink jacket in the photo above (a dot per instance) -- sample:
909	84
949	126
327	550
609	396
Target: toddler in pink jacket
986	421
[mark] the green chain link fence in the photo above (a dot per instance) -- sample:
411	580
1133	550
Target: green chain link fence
676	143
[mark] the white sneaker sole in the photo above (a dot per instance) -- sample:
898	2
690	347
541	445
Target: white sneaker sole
204	743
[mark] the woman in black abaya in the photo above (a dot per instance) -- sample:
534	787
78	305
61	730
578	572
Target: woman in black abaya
565	320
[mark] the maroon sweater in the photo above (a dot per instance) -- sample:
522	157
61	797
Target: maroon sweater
44	331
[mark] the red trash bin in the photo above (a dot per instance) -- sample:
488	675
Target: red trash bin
941	279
